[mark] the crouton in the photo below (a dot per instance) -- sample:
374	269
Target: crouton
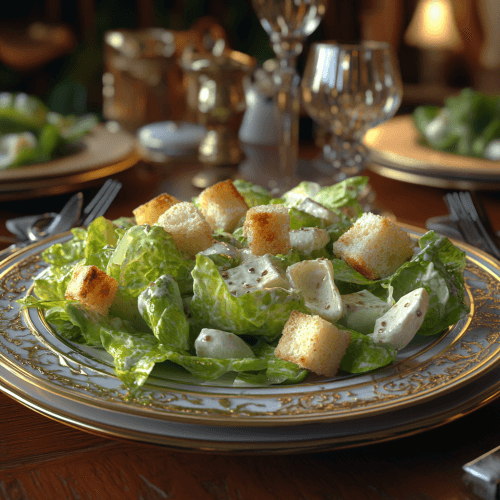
222	206
191	232
374	246
151	211
267	229
313	343
92	287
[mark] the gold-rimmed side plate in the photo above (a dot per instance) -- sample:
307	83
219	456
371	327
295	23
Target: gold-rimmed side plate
396	152
102	153
433	373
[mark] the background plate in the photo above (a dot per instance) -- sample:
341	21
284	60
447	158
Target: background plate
397	153
100	154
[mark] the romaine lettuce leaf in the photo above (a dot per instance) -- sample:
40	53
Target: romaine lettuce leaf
278	371
344	194
160	304
52	282
364	355
261	312
254	195
438	267
143	254
70	251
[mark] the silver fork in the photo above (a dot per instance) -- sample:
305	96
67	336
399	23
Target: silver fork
97	206
464	213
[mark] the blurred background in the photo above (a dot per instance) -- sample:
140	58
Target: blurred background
56	50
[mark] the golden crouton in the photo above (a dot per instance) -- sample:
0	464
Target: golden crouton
191	232
267	229
313	343
222	206
92	287
374	246
151	211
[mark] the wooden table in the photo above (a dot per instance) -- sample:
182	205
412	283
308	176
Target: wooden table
43	459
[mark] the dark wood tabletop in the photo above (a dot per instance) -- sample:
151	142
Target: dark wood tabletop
42	458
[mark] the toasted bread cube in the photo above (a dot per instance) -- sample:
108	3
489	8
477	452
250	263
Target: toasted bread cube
191	232
92	287
267	229
150	212
313	343
374	246
222	206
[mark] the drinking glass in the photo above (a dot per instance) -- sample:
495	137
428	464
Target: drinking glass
288	23
349	89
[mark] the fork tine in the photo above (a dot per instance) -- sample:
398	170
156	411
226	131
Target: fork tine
104	202
100	194
471	209
462	211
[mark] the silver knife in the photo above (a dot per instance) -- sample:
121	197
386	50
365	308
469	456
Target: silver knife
62	222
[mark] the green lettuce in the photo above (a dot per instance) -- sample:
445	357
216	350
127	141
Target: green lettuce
136	353
160	304
438	267
364	355
143	254
261	312
253	194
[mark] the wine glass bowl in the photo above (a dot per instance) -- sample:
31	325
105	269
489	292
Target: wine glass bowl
349	89
288	22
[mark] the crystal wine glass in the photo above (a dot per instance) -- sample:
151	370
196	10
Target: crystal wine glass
288	23
349	89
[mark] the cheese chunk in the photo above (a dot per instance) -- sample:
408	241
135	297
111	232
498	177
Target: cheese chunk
308	239
218	344
263	272
314	278
318	210
361	310
400	323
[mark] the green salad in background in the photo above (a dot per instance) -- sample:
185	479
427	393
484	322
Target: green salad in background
31	133
165	298
468	124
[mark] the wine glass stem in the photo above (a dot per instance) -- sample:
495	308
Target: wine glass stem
288	109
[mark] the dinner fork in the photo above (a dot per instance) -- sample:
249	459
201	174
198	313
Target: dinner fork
97	206
464	213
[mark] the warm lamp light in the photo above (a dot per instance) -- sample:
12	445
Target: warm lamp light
433	27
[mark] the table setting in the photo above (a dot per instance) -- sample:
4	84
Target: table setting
116	399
